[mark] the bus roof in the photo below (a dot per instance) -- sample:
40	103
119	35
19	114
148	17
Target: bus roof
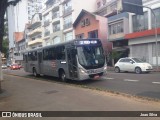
64	43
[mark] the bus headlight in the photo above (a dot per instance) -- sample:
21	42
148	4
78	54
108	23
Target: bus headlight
82	71
105	68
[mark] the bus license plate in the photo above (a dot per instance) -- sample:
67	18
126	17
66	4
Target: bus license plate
96	77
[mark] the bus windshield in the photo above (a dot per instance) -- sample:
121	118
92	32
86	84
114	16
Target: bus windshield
91	57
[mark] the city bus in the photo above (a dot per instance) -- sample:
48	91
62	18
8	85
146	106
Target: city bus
76	60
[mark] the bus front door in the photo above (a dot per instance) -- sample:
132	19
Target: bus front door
40	63
72	64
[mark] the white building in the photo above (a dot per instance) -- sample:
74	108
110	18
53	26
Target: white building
18	16
141	38
34	35
58	17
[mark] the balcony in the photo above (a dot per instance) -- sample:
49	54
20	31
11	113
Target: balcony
36	41
55	15
68	25
46	23
67	11
57	28
36	23
50	4
35	32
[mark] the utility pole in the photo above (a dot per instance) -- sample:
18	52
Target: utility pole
156	36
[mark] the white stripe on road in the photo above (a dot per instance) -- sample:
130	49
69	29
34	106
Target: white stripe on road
109	78
129	80
156	82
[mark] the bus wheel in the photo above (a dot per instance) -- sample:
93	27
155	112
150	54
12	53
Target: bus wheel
35	73
63	76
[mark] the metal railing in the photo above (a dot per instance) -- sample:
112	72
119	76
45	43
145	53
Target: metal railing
68	25
67	10
55	15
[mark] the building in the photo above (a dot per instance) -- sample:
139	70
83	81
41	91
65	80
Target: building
117	29
108	8
88	25
141	39
58	17
34	6
19	44
132	35
18	16
34	34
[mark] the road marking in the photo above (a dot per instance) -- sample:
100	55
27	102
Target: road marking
156	82
109	78
129	80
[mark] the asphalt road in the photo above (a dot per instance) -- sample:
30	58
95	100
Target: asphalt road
29	94
143	85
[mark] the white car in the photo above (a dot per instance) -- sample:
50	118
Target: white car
132	65
4	66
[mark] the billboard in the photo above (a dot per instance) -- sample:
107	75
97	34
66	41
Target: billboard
132	8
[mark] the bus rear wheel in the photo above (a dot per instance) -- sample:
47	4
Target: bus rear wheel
63	76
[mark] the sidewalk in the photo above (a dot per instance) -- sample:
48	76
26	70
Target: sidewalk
24	94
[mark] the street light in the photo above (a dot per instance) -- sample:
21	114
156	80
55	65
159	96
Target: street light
156	48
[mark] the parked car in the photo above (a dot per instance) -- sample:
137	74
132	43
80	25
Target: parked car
4	66
132	65
20	66
15	67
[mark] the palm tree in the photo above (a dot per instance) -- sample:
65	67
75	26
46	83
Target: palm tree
3	7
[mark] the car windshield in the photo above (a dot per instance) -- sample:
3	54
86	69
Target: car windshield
15	65
91	57
137	60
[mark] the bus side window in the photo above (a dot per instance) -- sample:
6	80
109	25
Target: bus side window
53	53
61	53
45	54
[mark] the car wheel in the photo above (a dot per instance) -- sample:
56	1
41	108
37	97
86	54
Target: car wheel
138	70
117	70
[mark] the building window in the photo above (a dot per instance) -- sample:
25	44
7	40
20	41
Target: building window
85	22
116	28
67	8
157	13
68	36
98	4
93	34
104	2
140	22
113	6
56	40
80	36
56	27
68	22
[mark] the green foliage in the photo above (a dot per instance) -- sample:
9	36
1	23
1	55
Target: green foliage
115	55
5	47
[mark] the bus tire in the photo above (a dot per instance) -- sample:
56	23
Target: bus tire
35	73
62	76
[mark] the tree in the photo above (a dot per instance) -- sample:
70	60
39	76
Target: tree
5	42
3	7
115	55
